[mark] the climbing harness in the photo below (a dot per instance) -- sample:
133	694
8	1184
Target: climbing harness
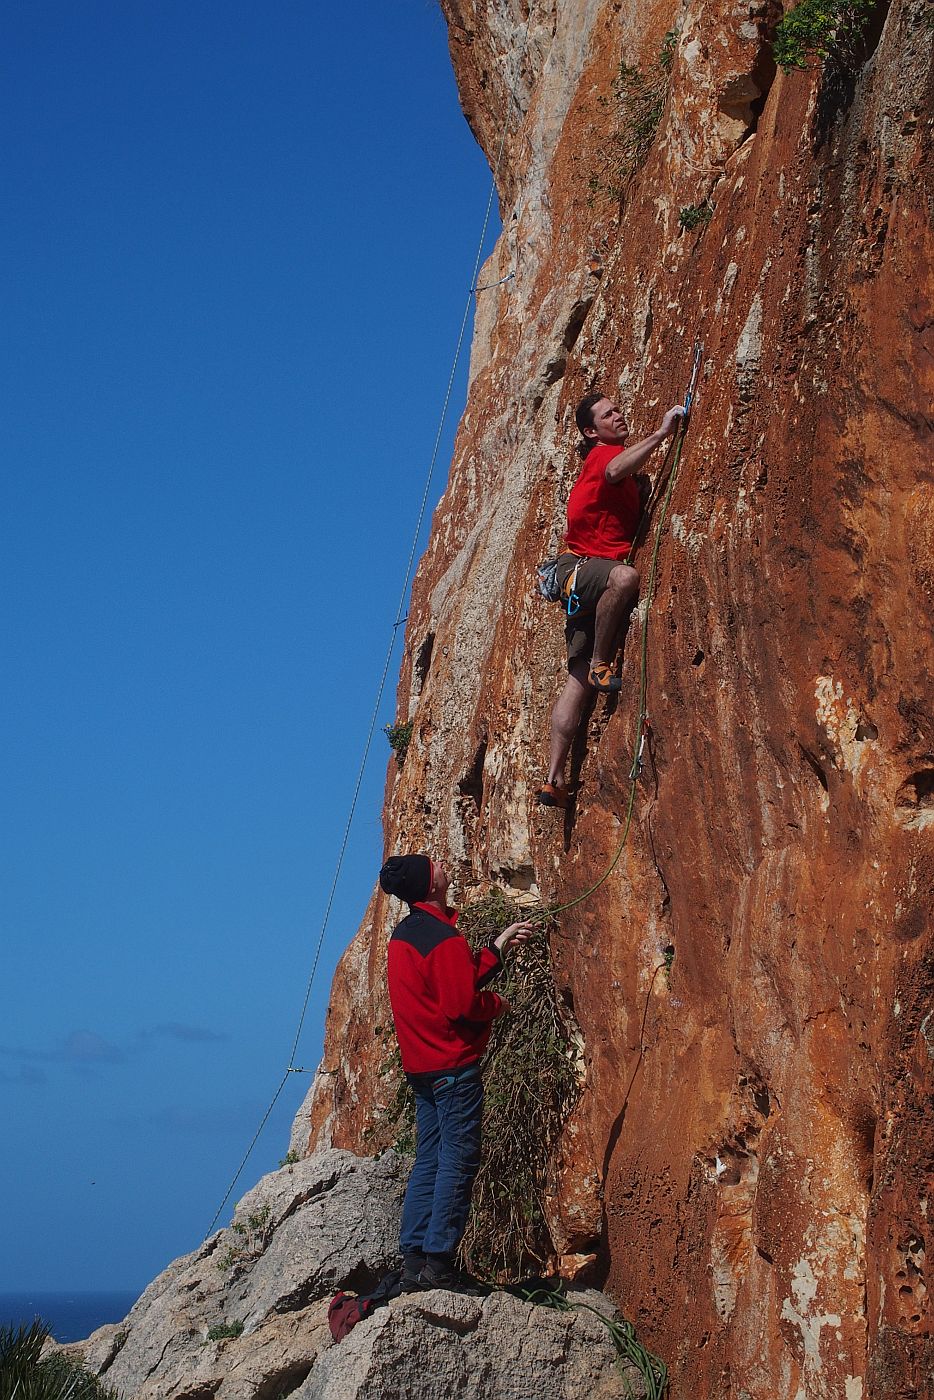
292	1068
672	456
551	588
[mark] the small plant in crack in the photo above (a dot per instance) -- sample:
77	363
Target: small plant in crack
399	736
395	1119
696	215
638	103
253	1232
222	1330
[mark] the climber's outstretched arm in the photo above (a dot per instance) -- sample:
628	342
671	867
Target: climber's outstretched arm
633	458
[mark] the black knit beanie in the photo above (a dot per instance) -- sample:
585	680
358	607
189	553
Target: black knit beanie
407	877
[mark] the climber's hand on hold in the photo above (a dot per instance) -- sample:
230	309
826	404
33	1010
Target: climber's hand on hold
671	420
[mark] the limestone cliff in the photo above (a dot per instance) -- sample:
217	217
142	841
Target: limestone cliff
759	1197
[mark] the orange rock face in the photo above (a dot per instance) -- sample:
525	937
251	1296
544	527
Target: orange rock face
752	1157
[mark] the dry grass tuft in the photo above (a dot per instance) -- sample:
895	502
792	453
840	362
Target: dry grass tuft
531	1084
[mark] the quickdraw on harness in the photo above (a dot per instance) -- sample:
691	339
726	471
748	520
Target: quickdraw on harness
572	602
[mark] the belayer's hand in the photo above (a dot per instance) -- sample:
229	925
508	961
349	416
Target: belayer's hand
671	420
515	933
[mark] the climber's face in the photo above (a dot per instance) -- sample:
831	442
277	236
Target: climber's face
609	425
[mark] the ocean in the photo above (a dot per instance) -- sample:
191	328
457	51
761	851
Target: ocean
71	1316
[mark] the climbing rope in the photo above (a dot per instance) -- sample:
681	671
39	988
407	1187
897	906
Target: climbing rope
674	455
629	1350
473	291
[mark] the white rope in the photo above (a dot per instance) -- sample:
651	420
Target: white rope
291	1067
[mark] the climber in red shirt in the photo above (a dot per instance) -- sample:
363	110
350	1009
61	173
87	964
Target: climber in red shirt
595	578
443	1012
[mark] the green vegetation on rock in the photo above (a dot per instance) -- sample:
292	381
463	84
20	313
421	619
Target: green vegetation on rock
222	1330
399	736
639	95
696	215
816	27
25	1374
253	1232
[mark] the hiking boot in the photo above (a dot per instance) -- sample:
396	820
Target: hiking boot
412	1265
446	1276
603	679
553	795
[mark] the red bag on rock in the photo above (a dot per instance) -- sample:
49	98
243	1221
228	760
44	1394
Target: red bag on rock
345	1312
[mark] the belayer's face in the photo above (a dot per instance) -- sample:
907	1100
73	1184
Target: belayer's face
440	882
609	425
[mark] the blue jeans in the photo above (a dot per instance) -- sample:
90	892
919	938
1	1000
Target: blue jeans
448	1116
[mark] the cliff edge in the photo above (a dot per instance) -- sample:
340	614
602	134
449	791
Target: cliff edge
751	1155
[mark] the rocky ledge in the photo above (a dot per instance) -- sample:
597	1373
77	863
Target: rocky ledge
244	1317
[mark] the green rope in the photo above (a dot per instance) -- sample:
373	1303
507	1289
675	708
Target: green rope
629	1349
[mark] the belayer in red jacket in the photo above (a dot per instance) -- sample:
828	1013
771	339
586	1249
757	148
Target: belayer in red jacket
443	1011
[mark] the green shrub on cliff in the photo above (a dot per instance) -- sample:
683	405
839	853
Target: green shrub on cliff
695	215
399	736
222	1330
641	95
25	1374
816	27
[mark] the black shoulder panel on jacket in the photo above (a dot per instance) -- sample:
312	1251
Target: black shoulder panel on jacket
423	932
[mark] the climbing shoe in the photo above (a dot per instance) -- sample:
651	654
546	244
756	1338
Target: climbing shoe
453	1280
603	679
551	795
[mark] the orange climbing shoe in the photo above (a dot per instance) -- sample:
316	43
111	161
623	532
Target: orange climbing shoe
552	795
603	679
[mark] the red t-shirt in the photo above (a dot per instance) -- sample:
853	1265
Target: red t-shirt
602	519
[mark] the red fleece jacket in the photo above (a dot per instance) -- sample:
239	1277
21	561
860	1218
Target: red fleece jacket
440	1004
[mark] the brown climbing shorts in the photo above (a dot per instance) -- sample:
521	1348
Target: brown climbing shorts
591	584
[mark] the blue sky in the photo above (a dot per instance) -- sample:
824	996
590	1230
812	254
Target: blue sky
236	245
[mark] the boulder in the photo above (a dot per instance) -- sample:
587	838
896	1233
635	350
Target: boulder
245	1314
495	1348
244	1317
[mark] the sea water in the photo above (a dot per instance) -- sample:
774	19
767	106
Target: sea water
69	1316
